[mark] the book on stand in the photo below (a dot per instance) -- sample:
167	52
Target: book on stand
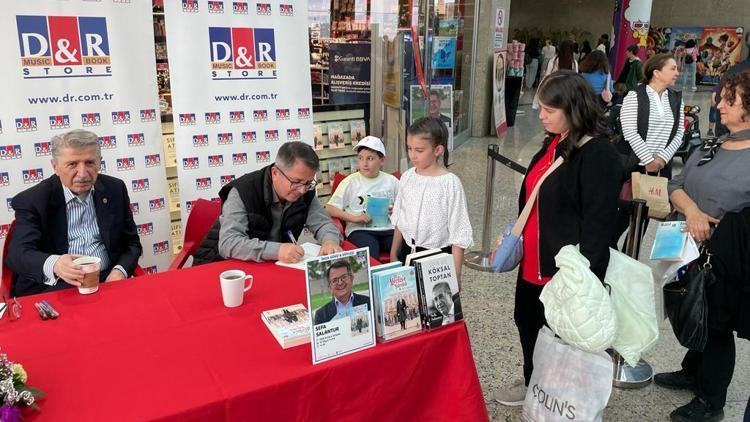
335	135
357	131
396	303
290	325
437	285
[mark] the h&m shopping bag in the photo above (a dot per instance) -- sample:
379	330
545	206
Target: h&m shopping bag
567	384
653	190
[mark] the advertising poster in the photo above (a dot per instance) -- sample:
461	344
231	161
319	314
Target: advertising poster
73	65
350	73
631	21
444	52
499	40
720	49
392	69
439	104
340	302
240	88
498	97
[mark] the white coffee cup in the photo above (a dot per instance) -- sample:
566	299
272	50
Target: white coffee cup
233	287
90	265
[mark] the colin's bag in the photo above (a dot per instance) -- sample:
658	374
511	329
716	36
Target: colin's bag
567	384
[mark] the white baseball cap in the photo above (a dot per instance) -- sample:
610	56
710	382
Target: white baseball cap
371	142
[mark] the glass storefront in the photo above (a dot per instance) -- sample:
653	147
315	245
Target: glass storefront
441	86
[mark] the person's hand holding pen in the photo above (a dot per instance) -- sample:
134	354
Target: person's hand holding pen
290	252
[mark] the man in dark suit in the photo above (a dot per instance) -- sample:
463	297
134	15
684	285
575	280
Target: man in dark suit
340	281
75	212
446	307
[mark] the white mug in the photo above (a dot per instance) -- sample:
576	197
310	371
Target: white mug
233	287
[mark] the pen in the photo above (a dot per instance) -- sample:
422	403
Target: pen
50	310
291	236
42	312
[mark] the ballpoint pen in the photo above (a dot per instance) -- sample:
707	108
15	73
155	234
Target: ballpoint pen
52	312
42	312
291	236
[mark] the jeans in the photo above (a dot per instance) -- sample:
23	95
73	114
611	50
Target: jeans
688	75
375	240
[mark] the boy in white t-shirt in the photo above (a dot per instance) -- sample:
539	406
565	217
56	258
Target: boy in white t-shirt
350	201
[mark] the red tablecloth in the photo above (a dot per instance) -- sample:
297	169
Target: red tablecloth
163	347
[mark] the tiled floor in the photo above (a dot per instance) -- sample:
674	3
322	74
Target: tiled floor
488	298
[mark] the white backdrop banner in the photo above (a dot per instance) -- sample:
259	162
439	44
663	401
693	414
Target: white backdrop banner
90	65
240	83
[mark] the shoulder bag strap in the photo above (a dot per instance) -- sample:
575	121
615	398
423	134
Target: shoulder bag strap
524	216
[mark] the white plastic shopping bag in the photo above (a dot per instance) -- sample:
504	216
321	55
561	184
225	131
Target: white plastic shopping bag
567	384
634	304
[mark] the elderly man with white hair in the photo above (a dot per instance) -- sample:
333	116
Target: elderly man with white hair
75	212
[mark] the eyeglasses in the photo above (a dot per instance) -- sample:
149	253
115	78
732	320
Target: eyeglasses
342	278
309	185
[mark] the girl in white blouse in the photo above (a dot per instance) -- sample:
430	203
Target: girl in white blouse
430	209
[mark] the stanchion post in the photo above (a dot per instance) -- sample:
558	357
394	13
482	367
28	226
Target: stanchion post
640	375
480	260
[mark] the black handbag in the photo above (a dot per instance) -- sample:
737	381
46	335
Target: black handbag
686	304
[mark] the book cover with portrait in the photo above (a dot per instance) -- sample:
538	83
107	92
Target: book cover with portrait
340	302
318	135
357	131
396	303
335	135
437	283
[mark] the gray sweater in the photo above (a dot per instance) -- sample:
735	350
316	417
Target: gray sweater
719	186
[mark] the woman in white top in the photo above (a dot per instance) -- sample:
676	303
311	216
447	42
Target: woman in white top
548	52
656	140
430	209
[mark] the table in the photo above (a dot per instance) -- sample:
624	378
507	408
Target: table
163	347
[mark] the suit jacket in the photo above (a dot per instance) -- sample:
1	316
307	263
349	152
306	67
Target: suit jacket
328	311
436	318
41	230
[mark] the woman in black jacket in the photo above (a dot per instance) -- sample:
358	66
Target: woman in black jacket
576	205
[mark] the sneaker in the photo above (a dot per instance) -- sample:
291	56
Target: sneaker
710	133
695	88
679	380
695	411
513	395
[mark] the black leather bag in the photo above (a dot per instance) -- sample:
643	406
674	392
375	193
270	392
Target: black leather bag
686	304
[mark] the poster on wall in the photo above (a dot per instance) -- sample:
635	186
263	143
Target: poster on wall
438	104
349	73
72	65
240	89
393	75
498	41
719	48
444	52
498	97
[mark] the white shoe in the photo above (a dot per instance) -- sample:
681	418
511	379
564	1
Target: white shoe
695	88
514	395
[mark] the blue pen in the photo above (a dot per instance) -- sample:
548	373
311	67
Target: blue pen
291	236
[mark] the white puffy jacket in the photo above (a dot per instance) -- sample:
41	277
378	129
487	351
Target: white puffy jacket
576	305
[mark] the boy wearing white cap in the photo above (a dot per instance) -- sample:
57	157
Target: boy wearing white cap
368	186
